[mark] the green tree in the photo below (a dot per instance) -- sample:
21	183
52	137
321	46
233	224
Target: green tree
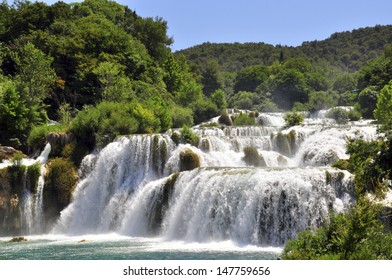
288	87
14	115
114	85
383	111
250	78
35	76
211	78
367	100
219	99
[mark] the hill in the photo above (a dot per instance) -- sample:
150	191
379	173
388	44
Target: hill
346	51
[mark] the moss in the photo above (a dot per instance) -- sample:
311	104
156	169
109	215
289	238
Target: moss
61	179
341	164
163	154
225	119
340	176
210	124
283	144
176	137
286	143
159	154
17	178
33	174
253	158
205	145
189	160
328	177
18	239
155	153
162	203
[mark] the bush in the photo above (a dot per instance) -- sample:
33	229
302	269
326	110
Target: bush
203	110
102	124
188	136
356	235
293	119
339	115
33	174
38	134
189	160
243	119
61	177
354	115
181	116
341	164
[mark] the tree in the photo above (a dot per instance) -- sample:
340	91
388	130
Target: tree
219	99
35	76
383	111
250	78
367	100
14	115
114	85
211	78
288	87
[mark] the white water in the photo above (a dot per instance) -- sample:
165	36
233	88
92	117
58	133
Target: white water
124	188
32	203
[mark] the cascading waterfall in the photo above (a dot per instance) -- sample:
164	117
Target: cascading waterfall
32	203
134	185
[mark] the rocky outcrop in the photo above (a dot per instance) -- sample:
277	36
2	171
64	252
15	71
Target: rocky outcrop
58	141
7	153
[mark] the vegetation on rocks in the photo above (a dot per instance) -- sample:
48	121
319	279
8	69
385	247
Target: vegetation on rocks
189	160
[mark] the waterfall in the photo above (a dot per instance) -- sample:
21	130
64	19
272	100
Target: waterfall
134	185
32	203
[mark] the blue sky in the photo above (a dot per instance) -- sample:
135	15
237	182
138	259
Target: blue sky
286	22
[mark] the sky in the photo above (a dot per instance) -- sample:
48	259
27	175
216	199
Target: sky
285	22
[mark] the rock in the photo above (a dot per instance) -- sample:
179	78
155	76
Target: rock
189	160
18	239
8	153
58	141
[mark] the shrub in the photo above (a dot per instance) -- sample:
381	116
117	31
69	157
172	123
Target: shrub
188	136
103	123
339	115
341	164
181	116
252	157
354	235
189	160
293	119
33	174
61	177
243	119
38	134
203	110
210	124
354	115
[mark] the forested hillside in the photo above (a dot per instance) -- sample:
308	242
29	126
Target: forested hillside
346	51
97	61
313	76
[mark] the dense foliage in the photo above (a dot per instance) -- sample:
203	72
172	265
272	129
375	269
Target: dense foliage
354	235
97	61
347	69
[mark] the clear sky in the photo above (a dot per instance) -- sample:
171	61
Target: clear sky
286	22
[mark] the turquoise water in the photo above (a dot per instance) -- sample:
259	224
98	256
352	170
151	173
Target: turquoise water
111	247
